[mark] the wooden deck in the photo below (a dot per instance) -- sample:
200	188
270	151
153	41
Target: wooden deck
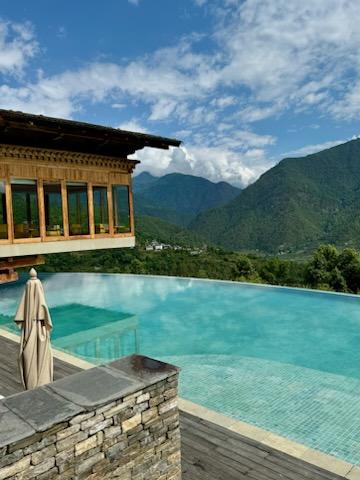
9	375
209	452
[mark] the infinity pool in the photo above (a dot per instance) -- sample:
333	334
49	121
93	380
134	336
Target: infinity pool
285	360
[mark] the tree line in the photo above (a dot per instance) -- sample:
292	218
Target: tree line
327	269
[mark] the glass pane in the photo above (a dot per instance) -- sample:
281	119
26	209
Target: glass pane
121	208
25	208
3	219
53	210
78	208
101	211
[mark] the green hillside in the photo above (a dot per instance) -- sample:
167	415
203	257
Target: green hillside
298	204
178	198
150	228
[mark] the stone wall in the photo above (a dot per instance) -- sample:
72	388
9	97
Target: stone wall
115	421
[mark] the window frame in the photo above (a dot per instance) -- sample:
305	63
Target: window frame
53	238
39	206
109	210
88	235
130	205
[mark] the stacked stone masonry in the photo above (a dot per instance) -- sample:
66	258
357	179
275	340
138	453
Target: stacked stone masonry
79	428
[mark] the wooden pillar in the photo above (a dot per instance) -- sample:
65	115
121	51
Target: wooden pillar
91	209
9	210
65	208
111	209
131	207
41	206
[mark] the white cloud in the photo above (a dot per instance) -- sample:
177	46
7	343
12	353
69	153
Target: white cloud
213	163
132	126
17	46
266	58
134	2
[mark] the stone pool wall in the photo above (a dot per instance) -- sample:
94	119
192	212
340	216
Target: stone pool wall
115	421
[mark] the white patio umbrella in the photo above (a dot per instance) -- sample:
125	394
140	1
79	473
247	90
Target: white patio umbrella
33	317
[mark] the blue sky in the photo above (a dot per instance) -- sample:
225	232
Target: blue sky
242	83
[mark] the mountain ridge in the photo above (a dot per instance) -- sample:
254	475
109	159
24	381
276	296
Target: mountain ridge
298	203
177	198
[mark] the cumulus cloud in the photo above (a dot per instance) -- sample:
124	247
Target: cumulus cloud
17	46
265	58
213	163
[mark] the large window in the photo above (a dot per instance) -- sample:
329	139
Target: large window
3	217
25	208
101	211
78	208
53	210
121	208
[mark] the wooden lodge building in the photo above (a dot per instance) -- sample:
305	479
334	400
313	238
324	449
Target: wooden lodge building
64	186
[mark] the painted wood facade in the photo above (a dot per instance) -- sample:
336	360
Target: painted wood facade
64	186
62	169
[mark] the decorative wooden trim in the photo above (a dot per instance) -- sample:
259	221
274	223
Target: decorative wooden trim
62	157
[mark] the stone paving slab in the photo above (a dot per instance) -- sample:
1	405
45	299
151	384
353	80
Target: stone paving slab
144	368
12	428
41	408
95	387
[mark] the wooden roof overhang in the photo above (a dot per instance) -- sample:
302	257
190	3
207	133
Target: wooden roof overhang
24	129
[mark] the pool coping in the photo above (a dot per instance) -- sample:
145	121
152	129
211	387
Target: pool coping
59	354
199	279
314	457
299	451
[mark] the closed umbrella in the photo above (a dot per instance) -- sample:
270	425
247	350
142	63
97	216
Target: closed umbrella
33	317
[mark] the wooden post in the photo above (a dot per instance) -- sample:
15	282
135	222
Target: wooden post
41	203
111	210
65	208
91	209
9	210
131	207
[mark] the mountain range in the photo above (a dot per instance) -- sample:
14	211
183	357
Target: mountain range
178	198
293	207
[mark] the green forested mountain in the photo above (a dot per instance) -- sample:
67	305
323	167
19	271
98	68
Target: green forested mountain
178	198
151	228
143	180
296	205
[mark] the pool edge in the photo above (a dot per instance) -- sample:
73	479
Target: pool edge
314	457
311	456
60	355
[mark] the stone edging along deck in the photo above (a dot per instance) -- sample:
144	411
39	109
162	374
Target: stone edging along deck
314	457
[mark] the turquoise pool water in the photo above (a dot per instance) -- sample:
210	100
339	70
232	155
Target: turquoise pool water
286	360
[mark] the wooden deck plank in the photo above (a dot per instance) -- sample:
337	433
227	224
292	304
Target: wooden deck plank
209	451
9	373
206	447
